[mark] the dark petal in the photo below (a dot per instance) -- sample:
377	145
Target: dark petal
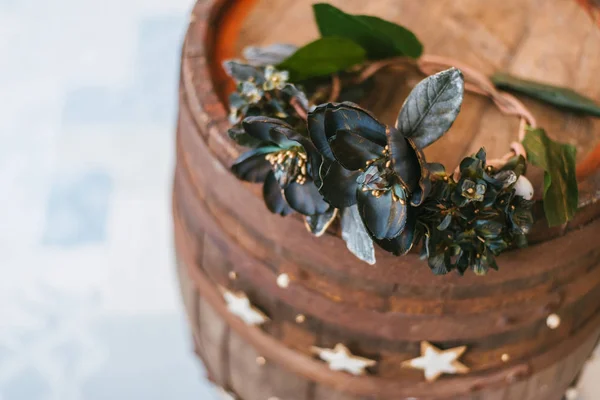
458	199
405	161
437	263
497	245
402	243
339	185
424	187
502	179
274	198
238	135
520	241
480	267
316	131
268	55
445	222
350	117
517	164
488	229
252	165
353	151
305	198
436	169
464	261
236	101
522	220
382	216
481	155
290	91
471	167
317	224
243	72
263	128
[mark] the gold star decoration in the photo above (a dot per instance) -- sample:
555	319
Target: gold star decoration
239	305
435	362
341	359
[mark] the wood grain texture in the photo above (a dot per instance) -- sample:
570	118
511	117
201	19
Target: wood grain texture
384	311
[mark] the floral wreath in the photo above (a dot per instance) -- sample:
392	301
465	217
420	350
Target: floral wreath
321	155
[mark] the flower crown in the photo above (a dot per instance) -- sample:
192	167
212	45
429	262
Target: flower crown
321	155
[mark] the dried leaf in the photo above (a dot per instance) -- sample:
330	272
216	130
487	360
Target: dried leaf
561	97
268	55
560	184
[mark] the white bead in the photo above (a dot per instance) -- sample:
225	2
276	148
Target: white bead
571	394
553	321
283	280
524	188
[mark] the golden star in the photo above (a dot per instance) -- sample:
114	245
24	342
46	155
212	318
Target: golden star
436	362
239	305
341	359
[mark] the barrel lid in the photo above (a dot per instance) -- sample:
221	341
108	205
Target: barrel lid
513	36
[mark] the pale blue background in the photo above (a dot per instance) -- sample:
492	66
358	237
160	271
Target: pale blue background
89	308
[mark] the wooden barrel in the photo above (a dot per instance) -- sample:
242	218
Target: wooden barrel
226	239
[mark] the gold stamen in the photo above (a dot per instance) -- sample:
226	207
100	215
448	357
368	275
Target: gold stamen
470	190
388	164
364	189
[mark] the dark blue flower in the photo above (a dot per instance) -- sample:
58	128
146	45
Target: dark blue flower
284	161
370	164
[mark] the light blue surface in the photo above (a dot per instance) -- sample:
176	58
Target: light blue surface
89	303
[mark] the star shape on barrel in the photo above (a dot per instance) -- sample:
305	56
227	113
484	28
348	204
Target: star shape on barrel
436	362
225	395
239	305
341	359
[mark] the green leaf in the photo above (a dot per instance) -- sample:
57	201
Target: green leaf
560	183
324	56
381	39
561	97
432	107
